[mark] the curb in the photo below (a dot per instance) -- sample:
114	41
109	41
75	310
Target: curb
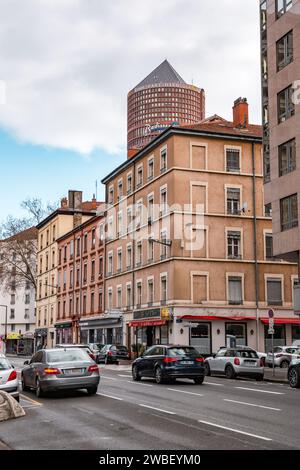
277	381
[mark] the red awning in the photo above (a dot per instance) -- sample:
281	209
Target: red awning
214	318
141	323
282	321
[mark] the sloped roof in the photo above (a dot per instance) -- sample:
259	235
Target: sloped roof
216	124
164	73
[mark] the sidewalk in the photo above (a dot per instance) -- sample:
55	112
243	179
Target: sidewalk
279	377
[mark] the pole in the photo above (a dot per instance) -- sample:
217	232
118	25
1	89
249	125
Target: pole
256	267
273	354
299	266
5	327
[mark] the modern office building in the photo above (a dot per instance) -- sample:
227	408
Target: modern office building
280	57
189	242
162	99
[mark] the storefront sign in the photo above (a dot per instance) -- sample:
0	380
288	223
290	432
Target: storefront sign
63	325
151	313
166	313
13	336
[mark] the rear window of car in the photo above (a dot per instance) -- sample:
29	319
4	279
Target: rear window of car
182	351
247	354
4	364
67	355
122	348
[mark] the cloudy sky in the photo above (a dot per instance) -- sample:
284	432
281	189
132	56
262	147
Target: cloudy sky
67	66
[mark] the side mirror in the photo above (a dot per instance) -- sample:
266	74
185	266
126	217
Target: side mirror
26	363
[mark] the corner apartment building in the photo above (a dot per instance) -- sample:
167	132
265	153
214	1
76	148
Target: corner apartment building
80	293
184	273
73	212
280	55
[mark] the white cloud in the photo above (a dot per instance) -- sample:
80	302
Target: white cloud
68	64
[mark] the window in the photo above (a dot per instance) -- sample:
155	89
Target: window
150	169
85	273
284	51
269	246
150	250
233	201
111	195
287	157
101	266
78	247
12	327
27	327
71	249
150	292
120	224
139	177
163	201
139	293
282	6
274	291
163	160
85	242
26	314
129	257
234	245
119	260
163	246
233	160
119	297
235	293
268	210
92	302
12	314
65	253
71	306
139	254
128	295
84	304
93	270
129	184
289	212
13	299
285	105
71	278
54	233
110	298
110	264
120	190
100	301
93	238
77	276
163	289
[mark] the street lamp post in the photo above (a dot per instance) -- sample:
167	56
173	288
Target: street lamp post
5	327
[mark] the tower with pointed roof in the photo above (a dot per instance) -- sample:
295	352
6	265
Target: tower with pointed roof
160	100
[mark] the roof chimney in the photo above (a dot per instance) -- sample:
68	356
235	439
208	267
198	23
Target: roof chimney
132	152
75	200
240	113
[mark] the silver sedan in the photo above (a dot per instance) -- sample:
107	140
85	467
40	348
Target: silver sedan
60	369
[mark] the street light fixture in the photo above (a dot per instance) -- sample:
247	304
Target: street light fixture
5	330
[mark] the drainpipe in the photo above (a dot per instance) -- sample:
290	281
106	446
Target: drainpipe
133	261
255	245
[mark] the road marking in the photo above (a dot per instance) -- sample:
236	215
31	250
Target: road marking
183	391
261	391
30	399
105	377
120	375
109	396
214	383
138	383
252	404
157	409
235	430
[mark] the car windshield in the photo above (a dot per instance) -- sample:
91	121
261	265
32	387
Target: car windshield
67	355
247	354
182	351
4	364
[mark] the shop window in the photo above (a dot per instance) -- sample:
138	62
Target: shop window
279	337
200	337
295	332
236	333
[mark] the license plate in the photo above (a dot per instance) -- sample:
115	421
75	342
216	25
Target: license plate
251	364
187	362
73	371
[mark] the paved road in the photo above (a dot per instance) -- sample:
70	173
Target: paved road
220	414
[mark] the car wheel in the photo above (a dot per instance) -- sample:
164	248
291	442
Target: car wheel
158	375
259	378
92	390
135	374
38	390
24	387
229	372
207	369
284	364
294	378
199	380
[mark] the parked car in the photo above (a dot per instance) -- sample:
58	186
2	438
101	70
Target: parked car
8	378
283	355
169	363
81	346
95	349
233	362
60	369
262	356
294	373
108	354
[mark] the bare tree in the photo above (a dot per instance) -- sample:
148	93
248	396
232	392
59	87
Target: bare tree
18	245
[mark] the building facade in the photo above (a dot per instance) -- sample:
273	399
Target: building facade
280	48
73	212
189	242
80	297
160	100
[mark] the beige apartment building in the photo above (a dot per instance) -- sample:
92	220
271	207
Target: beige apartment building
280	54
189	244
73	212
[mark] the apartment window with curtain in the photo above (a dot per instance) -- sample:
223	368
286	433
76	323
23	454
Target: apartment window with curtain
139	294
84	303
268	210
282	6
163	201
119	297
71	278
120	190
269	246
274	291
71	306
78	247
139	254
285	104
150	250
129	184
289	212
235	291
93	238
234	245
287	157
284	51
163	160
129	257
85	242
139	182
233	201
110	264
85	273
100	301
128	295
110	298
119	260
150	169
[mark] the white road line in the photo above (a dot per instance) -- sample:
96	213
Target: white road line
252	404
105	377
157	409
235	430
183	391
109	396
261	391
138	383
213	383
120	375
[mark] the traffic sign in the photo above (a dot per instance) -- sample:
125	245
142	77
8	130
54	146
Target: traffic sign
271	313
271	322
271	331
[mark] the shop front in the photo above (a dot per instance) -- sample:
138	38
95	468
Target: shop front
150	327
63	333
286	331
12	343
40	336
105	329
